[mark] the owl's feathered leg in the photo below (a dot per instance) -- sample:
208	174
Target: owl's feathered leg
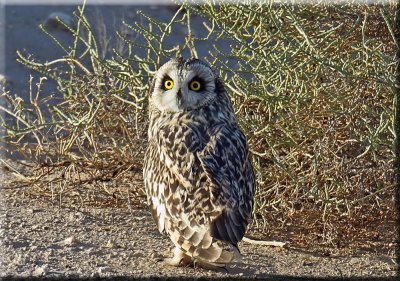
179	258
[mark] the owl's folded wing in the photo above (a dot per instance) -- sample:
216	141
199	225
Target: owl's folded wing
227	163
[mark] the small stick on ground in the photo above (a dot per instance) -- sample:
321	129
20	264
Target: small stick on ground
264	243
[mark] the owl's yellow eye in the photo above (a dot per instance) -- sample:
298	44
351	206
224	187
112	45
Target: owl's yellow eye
168	84
195	85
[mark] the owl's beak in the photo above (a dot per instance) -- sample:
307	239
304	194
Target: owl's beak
179	98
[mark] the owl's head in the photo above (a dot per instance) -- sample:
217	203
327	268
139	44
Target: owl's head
181	85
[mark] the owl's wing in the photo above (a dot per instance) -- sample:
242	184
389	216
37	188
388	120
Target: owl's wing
227	163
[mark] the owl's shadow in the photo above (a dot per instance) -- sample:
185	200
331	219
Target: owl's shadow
239	269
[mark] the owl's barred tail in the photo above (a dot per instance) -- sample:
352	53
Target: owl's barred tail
199	245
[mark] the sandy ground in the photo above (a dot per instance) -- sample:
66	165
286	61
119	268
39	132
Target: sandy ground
40	238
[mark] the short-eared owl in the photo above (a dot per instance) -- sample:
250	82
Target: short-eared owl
198	171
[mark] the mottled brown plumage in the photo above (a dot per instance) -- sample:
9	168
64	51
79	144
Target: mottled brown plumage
198	171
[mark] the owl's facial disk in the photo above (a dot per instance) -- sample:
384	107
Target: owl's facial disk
183	85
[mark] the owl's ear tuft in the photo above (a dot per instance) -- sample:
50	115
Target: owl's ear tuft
193	60
180	62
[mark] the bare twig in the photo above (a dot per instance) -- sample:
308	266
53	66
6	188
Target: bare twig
264	243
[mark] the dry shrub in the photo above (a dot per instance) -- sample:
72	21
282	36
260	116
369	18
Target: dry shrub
314	90
313	87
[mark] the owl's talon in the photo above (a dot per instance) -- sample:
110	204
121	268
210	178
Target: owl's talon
177	263
179	259
172	262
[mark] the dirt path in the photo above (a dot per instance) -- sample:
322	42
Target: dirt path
39	238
